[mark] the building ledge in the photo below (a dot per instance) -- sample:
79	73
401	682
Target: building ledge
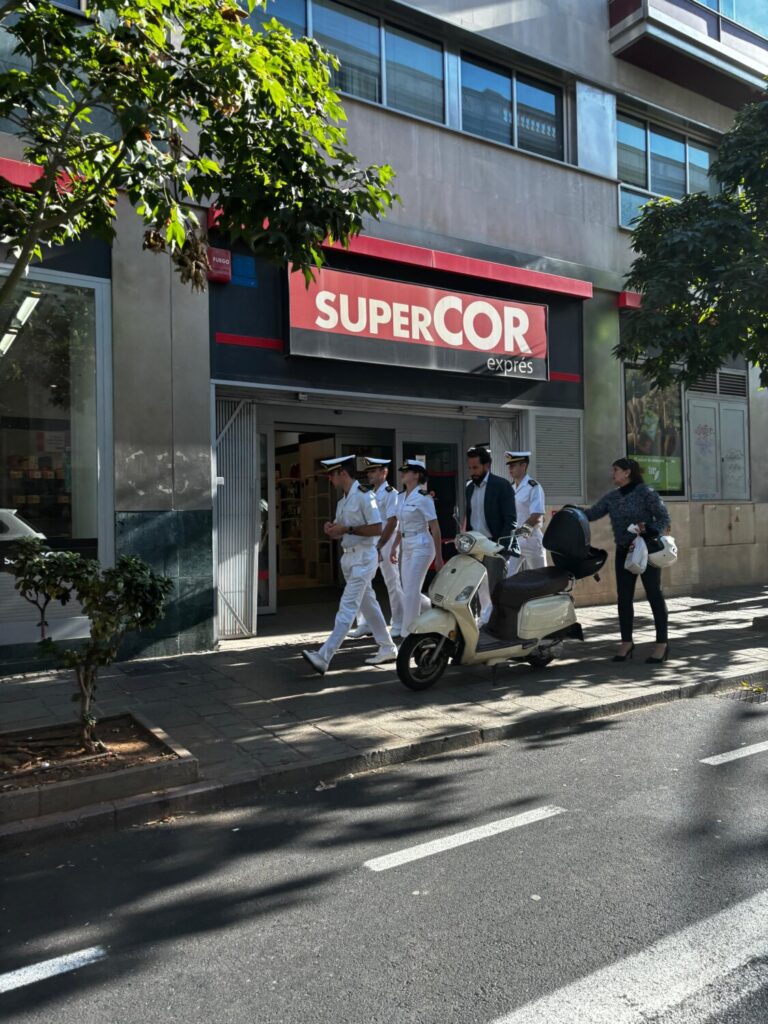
691	45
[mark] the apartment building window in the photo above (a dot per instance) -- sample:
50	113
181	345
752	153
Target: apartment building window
658	162
490	97
539	118
486	101
356	41
752	14
291	13
414	75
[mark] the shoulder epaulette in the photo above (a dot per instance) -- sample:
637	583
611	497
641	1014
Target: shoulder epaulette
532	482
390	488
364	488
424	493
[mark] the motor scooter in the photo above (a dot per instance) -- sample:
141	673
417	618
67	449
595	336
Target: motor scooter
533	611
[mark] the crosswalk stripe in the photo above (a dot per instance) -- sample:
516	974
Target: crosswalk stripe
641	987
50	968
734	755
493	828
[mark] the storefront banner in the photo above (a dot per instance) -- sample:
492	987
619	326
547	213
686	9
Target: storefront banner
375	320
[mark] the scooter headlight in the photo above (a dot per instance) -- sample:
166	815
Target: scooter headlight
466	593
464	543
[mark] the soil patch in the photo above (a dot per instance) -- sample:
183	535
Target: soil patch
39	757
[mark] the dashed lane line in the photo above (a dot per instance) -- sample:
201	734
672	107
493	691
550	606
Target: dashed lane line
734	755
50	968
472	835
652	983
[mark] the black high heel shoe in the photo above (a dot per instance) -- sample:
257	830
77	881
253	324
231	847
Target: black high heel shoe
658	661
623	657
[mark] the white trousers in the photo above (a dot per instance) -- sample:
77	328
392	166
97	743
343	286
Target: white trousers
391	575
531	552
359	567
416	555
494	571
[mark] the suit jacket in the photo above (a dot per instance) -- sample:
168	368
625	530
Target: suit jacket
498	508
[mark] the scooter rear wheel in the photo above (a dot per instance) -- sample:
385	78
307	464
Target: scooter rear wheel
540	658
419	662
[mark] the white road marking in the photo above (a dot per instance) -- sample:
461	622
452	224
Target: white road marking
734	755
648	984
50	968
493	828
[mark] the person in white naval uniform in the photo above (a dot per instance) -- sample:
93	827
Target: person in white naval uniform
530	505
418	538
357	525
386	500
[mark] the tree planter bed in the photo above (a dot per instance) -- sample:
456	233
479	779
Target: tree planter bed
45	771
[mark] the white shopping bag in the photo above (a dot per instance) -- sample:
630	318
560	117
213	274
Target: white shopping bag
636	561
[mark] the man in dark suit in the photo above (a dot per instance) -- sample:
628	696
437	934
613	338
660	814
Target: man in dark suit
490	504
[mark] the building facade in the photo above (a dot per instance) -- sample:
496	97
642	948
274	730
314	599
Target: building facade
187	429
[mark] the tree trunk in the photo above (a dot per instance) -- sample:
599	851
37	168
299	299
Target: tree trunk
86	680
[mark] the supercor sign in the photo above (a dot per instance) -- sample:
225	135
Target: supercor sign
376	320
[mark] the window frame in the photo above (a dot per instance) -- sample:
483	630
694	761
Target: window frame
105	475
513	73
648	126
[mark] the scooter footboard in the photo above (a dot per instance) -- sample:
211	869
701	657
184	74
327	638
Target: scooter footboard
436	620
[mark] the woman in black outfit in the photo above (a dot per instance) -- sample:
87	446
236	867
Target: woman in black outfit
634	501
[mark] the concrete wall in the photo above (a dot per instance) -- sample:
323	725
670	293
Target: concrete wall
461	187
161	361
571	35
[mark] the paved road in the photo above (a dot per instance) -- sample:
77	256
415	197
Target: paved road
601	876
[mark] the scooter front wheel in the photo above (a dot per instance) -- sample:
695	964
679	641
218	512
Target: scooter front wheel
422	659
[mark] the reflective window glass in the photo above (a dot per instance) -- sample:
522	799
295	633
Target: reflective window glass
700	159
414	75
667	164
632	204
539	118
48	467
633	139
654	421
354	38
291	13
752	14
486	101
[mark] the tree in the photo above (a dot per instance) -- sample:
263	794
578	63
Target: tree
702	267
177	103
125	597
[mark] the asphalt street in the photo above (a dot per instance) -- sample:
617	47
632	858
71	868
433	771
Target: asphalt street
603	875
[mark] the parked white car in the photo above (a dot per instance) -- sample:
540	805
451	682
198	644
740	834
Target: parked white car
13	527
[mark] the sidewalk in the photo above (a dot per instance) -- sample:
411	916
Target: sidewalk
257	717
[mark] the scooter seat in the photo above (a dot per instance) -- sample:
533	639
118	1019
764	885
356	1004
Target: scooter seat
529	584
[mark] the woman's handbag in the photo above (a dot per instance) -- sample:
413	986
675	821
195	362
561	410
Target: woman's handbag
662	552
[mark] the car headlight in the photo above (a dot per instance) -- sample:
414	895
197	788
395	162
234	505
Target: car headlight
464	543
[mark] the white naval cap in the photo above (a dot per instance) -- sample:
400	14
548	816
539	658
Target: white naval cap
370	463
516	456
340	462
412	464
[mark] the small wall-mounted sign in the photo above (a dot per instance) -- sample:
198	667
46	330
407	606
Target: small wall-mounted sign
219	264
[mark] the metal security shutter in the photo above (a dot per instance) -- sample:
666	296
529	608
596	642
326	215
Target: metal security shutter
557	461
505	437
236	517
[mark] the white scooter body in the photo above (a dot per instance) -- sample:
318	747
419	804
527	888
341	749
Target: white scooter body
542	622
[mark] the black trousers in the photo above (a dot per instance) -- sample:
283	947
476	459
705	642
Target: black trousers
625	584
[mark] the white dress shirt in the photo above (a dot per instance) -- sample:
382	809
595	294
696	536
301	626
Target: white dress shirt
477	503
529	501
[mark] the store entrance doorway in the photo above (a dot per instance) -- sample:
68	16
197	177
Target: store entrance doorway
304	500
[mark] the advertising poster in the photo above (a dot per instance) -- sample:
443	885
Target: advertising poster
655	431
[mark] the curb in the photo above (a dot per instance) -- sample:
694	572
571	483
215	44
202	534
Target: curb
242	789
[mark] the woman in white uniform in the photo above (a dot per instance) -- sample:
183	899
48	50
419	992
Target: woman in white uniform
418	538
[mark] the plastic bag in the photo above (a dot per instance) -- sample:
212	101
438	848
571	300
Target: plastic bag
636	561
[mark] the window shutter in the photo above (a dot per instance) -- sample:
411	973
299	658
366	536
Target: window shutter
732	384
557	457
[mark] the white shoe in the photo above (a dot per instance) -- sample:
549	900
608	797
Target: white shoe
318	664
358	632
383	655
